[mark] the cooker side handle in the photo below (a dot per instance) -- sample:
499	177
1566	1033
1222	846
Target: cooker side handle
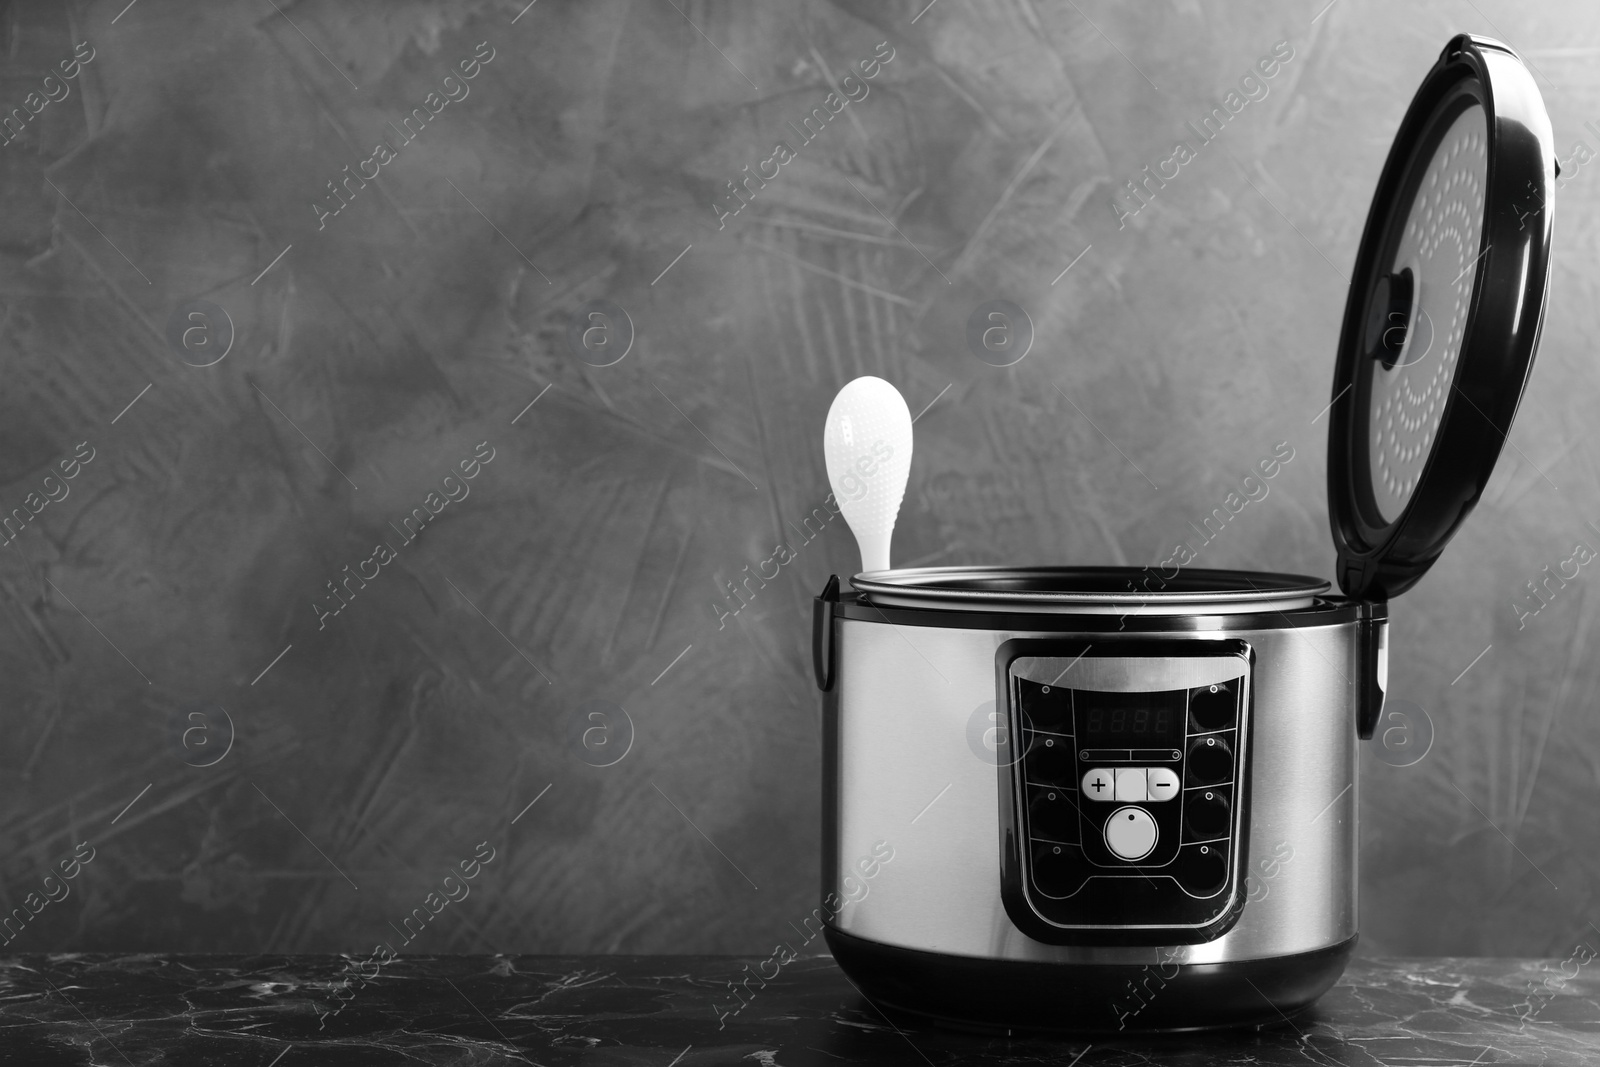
822	633
1372	665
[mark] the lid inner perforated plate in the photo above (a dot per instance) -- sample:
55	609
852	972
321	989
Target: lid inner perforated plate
1440	246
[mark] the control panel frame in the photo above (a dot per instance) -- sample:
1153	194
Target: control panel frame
1124	664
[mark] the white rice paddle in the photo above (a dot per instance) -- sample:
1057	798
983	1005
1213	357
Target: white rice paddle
867	445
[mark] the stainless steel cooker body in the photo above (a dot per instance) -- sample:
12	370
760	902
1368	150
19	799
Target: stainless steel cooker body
937	837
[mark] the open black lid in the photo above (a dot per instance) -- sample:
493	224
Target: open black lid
1443	316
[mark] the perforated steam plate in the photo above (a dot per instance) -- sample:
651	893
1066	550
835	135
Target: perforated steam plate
1442	318
1438	245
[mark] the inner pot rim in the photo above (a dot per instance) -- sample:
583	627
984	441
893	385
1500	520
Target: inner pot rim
1125	590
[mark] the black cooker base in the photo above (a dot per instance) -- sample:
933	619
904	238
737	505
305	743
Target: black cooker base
1005	996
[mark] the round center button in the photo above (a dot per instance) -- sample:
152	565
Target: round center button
1131	833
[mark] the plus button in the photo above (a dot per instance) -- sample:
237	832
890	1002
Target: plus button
1098	784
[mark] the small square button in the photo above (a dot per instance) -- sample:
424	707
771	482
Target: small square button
1050	759
1131	783
1045	707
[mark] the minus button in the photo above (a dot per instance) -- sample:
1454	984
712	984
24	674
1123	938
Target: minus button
1160	783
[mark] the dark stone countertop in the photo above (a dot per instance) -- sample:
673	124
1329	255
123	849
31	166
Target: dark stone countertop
662	1011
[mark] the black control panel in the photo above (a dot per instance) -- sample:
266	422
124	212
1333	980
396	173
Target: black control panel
1124	804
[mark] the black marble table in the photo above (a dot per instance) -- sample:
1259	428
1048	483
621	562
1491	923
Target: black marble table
668	1011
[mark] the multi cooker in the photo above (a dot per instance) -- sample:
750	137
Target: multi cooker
1122	798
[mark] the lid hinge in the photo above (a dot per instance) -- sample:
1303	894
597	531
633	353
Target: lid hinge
1372	665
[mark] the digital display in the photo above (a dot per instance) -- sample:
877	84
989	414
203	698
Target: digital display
1129	720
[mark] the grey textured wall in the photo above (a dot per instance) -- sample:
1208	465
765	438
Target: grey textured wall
253	771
